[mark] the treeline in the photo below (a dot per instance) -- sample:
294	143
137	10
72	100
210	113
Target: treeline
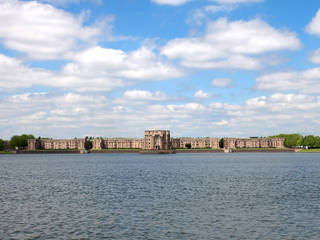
295	140
20	142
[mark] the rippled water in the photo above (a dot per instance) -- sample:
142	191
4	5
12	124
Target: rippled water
182	196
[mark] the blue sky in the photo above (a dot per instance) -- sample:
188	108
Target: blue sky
199	68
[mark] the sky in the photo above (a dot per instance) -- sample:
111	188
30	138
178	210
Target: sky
209	68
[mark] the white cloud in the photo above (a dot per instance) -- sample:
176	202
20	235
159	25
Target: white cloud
199	15
140	64
234	45
144	95
171	2
66	2
78	115
314	26
236	1
265	116
222	82
13	74
104	69
181	2
315	57
203	95
95	69
300	81
44	32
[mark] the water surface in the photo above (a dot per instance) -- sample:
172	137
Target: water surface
182	196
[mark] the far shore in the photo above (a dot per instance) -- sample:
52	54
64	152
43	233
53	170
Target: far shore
108	151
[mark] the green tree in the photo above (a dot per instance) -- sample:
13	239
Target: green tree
20	141
221	143
1	145
317	145
88	144
290	140
310	141
188	145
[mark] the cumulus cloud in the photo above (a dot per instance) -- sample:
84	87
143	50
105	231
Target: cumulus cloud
236	1
199	15
13	74
203	95
106	68
94	69
232	45
181	2
307	81
134	95
171	2
78	115
314	26
50	115
222	82
66	2
44	32
315	57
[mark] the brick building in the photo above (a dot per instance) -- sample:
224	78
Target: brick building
157	139
212	143
230	143
117	143
47	144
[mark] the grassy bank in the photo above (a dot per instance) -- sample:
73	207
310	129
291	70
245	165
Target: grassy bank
195	150
39	151
263	150
6	152
311	150
116	150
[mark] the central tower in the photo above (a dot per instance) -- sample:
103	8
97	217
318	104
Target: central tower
157	139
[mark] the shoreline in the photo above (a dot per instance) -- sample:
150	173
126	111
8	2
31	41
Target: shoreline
139	151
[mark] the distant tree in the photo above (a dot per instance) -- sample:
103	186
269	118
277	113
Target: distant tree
88	145
221	143
311	141
290	140
317	142
20	141
1	145
188	145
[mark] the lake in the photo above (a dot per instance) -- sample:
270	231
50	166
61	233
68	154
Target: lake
180	196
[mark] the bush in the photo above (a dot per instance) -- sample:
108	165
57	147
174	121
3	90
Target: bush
188	145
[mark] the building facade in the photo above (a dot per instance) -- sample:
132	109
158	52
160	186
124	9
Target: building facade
56	144
157	139
230	143
209	143
117	143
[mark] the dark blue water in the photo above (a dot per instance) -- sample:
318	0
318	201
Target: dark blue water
182	196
